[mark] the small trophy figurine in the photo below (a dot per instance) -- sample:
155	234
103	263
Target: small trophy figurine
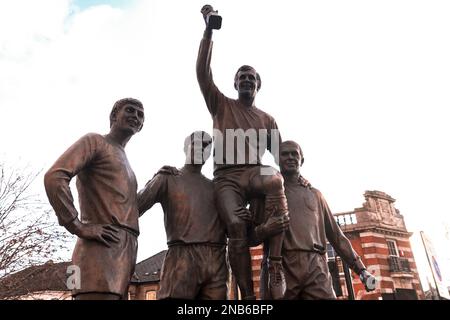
212	18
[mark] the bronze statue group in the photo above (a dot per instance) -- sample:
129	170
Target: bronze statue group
206	222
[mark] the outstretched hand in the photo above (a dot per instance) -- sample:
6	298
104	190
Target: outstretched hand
211	17
206	9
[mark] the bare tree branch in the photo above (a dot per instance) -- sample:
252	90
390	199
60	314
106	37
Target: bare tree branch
29	233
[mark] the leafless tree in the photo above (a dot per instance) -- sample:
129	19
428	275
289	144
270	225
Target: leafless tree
29	232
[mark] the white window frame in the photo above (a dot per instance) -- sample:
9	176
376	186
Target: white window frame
394	246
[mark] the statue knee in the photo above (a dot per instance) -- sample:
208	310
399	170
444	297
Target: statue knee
274	183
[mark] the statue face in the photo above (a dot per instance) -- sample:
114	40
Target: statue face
129	118
290	159
247	83
198	151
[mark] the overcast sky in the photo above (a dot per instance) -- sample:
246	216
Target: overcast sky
363	86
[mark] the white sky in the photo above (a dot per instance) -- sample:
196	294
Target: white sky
363	86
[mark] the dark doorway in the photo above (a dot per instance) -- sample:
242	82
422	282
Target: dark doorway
406	294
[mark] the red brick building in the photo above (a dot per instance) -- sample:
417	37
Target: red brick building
378	234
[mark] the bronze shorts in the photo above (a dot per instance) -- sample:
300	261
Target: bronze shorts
103	269
194	271
238	179
307	276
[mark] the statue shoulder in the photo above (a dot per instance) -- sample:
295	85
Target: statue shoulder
169	170
316	192
93	136
92	141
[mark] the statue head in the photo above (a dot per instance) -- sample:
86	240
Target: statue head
291	157
197	147
247	81
133	113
